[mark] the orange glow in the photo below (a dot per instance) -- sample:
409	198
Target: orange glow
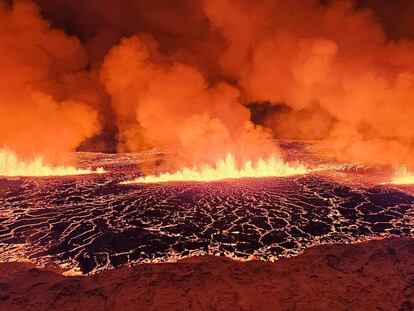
227	169
403	177
11	165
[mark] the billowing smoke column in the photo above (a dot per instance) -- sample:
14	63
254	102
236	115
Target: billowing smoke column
179	73
164	103
43	110
332	66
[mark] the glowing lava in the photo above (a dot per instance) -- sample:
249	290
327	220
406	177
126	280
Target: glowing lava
403	177
11	165
227	169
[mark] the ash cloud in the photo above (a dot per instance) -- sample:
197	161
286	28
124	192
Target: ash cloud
181	73
344	81
45	96
159	102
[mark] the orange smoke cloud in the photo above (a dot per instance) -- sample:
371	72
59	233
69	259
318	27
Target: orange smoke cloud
185	70
330	59
38	114
163	103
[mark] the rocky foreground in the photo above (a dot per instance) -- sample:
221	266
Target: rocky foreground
376	275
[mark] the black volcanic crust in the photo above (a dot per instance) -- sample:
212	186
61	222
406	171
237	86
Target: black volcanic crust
375	275
94	223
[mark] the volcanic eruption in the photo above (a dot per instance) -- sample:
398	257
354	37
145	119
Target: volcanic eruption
322	68
177	128
402	176
227	168
10	165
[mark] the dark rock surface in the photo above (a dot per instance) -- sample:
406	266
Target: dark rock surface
92	223
375	275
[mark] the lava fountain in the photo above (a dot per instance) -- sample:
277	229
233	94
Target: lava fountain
403	177
228	169
11	165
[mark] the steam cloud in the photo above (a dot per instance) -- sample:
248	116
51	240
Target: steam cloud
164	103
331	65
180	74
43	109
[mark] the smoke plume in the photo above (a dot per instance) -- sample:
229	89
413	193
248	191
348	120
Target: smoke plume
163	103
43	92
186	74
332	65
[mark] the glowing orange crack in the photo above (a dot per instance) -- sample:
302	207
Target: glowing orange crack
11	165
227	169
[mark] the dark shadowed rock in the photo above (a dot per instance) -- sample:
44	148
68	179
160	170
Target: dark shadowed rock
376	275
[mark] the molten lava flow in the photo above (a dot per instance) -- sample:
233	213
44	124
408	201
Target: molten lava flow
403	177
11	165
226	169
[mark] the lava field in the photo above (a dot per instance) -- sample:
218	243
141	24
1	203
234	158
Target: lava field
85	224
